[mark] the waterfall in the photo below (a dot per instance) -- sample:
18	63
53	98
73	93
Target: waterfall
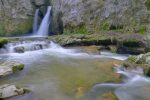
35	24
43	30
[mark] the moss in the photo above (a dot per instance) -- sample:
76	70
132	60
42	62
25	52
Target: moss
3	41
18	67
80	29
141	29
132	59
104	26
113	49
147	3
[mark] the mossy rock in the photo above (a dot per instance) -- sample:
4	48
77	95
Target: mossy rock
148	4
132	59
3	41
17	67
113	48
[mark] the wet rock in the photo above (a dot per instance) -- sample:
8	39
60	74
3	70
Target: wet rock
91	49
7	91
10	67
20	49
140	59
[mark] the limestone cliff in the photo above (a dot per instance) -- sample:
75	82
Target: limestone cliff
15	16
103	15
77	16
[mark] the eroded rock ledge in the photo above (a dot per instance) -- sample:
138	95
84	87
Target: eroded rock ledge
116	42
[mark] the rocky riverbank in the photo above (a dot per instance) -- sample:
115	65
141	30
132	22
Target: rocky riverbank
7	90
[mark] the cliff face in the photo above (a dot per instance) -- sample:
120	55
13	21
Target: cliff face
77	16
103	15
15	16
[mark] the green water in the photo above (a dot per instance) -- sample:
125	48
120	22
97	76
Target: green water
52	75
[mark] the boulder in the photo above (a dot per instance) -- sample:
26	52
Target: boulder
10	67
19	49
7	91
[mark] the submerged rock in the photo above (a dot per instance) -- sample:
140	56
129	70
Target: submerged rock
91	49
109	96
7	91
10	67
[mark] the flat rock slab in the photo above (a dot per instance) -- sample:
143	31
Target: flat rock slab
10	67
7	91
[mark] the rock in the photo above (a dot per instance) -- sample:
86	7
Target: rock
100	16
3	42
10	67
113	48
109	96
7	91
116	42
141	60
15	17
74	17
19	49
91	49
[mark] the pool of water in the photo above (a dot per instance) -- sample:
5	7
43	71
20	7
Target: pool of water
60	74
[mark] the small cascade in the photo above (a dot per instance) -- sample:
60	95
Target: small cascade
44	27
24	46
35	23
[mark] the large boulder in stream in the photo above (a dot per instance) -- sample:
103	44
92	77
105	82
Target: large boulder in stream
10	67
7	91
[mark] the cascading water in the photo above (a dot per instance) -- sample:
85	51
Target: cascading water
35	24
43	29
134	87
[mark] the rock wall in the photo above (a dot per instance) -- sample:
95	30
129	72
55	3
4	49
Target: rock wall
82	16
15	17
77	16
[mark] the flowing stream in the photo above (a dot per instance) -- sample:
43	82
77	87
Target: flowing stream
135	86
55	73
